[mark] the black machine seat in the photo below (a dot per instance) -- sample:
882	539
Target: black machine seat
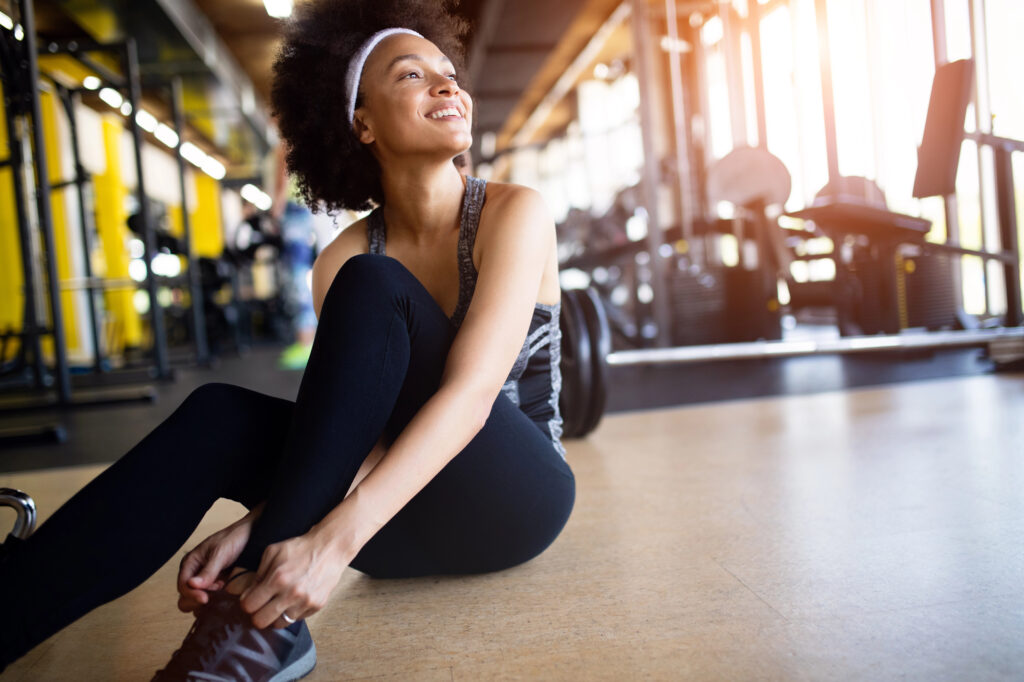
839	216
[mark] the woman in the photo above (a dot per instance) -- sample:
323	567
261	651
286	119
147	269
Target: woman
425	435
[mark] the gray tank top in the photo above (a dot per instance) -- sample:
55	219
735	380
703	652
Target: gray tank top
535	380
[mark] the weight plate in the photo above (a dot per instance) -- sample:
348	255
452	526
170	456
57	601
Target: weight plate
576	365
600	346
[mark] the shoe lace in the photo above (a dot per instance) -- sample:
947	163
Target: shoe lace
202	638
211	652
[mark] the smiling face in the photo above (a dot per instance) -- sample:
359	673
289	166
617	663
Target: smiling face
411	101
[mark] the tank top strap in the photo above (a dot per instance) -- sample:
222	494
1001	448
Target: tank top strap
472	206
375	232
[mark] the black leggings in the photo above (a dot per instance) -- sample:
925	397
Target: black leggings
378	356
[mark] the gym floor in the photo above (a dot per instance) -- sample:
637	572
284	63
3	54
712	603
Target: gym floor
864	533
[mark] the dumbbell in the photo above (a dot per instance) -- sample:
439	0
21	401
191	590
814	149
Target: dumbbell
25	508
576	366
600	347
586	343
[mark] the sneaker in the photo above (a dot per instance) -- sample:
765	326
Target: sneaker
295	356
224	646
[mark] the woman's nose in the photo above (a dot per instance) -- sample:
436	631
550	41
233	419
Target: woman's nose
444	85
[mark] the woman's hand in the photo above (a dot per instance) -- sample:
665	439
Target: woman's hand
200	570
295	577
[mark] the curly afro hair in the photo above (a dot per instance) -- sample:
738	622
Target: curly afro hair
333	169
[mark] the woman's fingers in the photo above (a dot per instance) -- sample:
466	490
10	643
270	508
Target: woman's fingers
188	582
208	576
186	570
198	575
191	602
282	623
187	604
290	579
271	593
270	614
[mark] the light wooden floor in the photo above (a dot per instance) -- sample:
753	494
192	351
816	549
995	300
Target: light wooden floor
865	535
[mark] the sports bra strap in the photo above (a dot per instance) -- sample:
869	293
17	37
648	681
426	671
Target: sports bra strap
469	222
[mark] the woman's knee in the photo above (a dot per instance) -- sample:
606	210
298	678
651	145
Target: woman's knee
525	541
212	399
368	275
211	391
373	271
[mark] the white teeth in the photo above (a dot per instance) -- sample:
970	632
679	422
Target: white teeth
445	112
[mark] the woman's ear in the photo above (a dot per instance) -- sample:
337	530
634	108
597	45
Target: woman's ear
363	131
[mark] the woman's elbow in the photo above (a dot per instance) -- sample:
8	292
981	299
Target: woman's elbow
481	414
475	406
487	404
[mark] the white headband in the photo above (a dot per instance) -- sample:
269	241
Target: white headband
355	66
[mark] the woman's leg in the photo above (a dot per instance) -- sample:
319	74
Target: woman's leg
498	503
378	357
380	345
128	521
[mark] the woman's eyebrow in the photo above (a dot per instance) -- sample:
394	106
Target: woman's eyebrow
413	57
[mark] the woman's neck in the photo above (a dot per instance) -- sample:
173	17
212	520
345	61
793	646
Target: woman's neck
422	203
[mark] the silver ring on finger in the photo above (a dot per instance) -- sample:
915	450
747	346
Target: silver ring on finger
288	618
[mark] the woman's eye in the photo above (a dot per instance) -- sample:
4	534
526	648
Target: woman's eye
411	73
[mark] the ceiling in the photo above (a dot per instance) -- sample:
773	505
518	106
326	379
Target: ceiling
509	42
249	33
224	49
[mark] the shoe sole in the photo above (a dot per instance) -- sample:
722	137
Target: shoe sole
298	669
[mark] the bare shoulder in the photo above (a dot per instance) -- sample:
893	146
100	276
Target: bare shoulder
350	242
506	196
516	220
514	208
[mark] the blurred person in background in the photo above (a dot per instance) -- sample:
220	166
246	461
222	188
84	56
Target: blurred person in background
298	236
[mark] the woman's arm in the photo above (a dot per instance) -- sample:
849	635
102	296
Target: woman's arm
514	251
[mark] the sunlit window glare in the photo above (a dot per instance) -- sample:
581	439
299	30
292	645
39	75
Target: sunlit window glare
636	227
882	63
712	31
